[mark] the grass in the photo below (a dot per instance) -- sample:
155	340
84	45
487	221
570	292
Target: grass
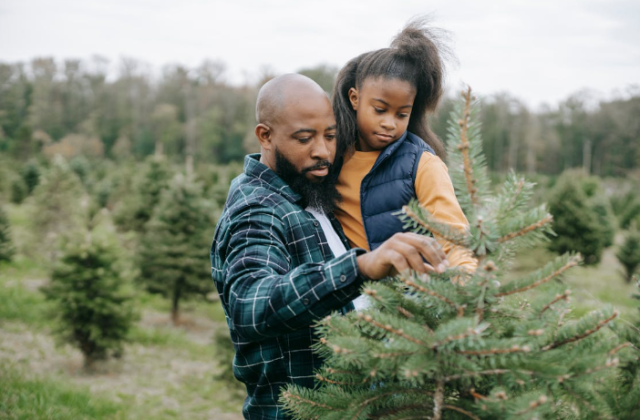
19	296
592	286
199	307
50	399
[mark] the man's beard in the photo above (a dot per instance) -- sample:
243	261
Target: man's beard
322	196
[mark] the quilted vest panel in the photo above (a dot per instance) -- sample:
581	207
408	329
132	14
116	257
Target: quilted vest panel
389	186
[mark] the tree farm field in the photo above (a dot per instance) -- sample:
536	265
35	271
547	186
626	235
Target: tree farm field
166	371
169	371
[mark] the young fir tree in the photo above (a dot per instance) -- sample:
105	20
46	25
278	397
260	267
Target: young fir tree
629	253
93	305
6	244
471	345
57	209
172	260
18	191
601	206
136	210
577	224
30	174
627	208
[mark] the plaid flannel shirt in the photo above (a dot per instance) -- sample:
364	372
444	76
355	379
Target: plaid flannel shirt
276	276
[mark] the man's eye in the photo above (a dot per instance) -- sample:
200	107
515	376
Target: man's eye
304	139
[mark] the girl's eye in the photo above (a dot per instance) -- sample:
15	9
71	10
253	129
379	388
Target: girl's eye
330	136
403	115
379	110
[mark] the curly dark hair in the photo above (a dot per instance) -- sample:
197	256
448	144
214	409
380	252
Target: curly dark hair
415	56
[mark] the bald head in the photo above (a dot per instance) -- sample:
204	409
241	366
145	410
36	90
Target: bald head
282	92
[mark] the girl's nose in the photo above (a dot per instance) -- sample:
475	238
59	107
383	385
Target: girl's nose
388	123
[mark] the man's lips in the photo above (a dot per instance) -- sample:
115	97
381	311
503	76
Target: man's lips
321	171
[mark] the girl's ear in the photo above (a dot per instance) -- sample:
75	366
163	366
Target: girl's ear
263	133
353	98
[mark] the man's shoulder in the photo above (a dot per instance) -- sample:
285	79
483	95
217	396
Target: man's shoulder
250	192
254	199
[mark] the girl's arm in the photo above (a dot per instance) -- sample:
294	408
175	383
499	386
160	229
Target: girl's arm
435	192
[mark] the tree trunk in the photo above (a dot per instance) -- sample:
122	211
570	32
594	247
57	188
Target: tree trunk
438	399
586	157
175	302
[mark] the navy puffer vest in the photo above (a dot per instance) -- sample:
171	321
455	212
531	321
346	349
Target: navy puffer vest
389	186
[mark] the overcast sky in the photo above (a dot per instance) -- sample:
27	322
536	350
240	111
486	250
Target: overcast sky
538	50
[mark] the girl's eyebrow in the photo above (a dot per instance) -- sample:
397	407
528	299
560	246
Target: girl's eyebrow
403	106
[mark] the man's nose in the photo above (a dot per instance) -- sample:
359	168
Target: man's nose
321	150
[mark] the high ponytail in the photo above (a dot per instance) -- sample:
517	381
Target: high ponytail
415	56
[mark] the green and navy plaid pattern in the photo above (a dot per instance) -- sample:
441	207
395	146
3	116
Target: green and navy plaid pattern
276	276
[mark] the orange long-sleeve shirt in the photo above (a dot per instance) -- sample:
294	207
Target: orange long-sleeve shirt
434	191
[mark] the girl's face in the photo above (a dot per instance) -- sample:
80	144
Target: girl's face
383	107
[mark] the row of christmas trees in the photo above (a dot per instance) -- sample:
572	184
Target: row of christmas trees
164	223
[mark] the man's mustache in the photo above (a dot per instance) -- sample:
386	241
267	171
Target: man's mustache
319	165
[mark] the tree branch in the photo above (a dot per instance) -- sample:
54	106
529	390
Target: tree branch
568	265
416	286
290	396
564	296
369	319
583	335
547	219
464	147
460	410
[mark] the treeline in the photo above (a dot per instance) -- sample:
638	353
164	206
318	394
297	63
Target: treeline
76	108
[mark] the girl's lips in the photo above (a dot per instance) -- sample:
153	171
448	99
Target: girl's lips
383	137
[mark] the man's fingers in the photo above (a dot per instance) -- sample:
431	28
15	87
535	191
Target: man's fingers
429	248
412	256
398	261
429	268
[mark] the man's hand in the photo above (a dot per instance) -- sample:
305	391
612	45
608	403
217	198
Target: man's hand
401	252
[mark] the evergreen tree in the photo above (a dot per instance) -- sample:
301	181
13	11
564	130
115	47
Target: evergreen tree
30	174
577	225
19	191
173	249
136	210
81	167
93	308
601	205
629	253
6	245
57	209
464	345
627	208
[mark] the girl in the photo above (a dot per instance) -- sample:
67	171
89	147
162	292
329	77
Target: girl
381	101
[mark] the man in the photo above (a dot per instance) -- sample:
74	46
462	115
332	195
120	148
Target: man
278	262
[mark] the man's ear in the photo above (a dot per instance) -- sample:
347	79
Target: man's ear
353	97
263	133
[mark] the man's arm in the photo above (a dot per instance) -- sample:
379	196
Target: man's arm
266	295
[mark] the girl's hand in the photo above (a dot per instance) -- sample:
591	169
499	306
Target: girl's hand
401	252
